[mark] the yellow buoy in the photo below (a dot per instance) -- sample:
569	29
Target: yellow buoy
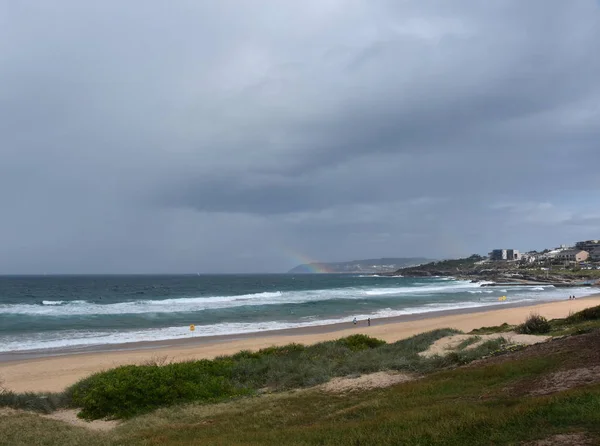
192	327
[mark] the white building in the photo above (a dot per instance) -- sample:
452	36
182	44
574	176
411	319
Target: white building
505	254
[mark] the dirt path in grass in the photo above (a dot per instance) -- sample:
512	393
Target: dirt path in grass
365	382
70	417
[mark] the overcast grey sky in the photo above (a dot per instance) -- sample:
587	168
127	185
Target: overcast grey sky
247	136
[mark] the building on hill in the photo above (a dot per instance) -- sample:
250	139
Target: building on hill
505	254
551	254
588	245
573	255
530	257
595	254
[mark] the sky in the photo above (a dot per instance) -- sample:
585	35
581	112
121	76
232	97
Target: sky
228	136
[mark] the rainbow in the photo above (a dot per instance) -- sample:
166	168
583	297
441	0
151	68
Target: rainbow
301	259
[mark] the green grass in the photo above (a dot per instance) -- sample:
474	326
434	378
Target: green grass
491	330
455	407
464	406
26	429
131	390
35	402
588	314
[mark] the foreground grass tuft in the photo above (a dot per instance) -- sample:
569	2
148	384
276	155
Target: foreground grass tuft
35	402
491	330
535	324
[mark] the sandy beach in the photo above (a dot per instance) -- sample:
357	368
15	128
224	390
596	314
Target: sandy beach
57	372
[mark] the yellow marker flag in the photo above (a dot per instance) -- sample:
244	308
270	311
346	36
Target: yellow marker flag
192	327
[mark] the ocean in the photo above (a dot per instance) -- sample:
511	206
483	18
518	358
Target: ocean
58	312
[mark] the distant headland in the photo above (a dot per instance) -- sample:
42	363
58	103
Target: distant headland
367	266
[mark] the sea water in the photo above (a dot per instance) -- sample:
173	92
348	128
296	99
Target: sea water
54	312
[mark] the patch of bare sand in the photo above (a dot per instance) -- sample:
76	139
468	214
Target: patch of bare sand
365	382
567	379
449	344
576	439
70	417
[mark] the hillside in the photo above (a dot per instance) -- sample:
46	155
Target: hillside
368	266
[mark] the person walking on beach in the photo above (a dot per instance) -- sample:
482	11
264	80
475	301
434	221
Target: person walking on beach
369	322
354	321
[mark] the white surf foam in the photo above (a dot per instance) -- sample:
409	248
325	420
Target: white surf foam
83	338
193	304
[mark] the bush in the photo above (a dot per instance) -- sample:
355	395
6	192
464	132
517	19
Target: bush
589	314
359	342
131	390
535	324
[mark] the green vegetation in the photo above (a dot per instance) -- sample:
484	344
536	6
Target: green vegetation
575	273
588	314
36	402
535	324
25	429
497	329
491	403
131	390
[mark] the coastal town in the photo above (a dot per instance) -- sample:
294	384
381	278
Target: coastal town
585	253
575	265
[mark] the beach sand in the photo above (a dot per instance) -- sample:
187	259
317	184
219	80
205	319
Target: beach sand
55	373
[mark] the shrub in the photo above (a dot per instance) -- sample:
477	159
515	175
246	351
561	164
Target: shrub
535	324
131	390
359	342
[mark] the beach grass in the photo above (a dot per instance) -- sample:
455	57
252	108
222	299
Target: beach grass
131	390
495	329
488	403
451	408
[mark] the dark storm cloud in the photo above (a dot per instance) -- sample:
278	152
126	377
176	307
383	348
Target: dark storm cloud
214	137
